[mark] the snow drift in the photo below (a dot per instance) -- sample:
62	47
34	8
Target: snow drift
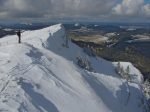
42	75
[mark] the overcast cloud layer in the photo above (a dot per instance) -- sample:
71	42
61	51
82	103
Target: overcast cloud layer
91	9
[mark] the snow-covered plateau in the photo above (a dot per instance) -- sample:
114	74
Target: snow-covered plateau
42	75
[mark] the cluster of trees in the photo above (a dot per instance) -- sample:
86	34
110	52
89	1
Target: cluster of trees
84	63
146	87
124	73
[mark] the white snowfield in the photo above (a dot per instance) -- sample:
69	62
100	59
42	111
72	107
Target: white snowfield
42	75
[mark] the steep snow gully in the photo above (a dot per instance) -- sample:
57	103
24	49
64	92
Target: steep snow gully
42	75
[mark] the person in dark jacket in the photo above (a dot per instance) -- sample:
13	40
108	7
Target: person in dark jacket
19	36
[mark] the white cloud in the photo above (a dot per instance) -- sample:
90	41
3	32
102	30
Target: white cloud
55	8
146	10
128	7
95	9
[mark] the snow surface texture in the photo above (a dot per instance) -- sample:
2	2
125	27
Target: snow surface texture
41	75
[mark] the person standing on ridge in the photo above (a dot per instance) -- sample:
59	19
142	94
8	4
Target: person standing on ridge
19	36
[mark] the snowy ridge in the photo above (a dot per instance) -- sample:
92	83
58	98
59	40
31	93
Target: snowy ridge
42	75
135	74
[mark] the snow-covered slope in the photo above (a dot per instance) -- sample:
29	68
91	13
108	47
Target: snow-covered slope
135	74
42	75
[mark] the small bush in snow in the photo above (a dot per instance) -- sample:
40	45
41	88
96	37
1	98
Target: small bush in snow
127	73
89	51
84	63
64	45
123	73
66	41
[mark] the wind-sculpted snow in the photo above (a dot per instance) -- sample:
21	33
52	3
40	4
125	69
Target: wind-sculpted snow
42	75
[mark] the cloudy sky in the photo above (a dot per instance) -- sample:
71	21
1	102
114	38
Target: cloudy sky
98	10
